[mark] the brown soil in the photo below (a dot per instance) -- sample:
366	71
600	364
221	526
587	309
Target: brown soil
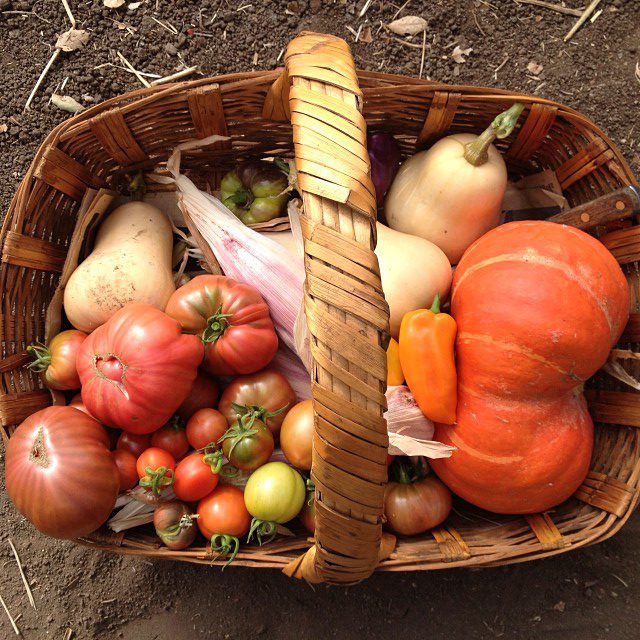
588	594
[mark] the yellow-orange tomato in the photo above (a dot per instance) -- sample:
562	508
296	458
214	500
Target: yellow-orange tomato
296	435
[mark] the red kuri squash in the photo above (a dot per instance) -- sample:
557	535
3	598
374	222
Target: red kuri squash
538	307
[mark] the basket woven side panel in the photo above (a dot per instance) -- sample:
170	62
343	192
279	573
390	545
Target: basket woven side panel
346	311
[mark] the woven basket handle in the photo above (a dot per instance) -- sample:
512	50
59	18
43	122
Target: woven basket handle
346	312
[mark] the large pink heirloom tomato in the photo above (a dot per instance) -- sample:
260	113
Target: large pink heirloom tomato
60	473
233	320
137	368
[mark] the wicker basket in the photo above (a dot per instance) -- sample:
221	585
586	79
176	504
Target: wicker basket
320	108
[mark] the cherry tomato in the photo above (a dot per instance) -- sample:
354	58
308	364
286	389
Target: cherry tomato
197	476
267	393
204	427
172	438
248	444
223	518
296	435
126	463
156	469
204	393
174	524
57	362
133	442
274	495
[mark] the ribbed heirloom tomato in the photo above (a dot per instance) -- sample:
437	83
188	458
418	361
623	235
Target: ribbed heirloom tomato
233	320
137	368
59	472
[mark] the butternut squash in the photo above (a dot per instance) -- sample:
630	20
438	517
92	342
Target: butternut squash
130	262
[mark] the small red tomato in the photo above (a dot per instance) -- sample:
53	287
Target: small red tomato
204	393
126	463
156	469
204	427
133	443
308	513
197	476
57	362
172	438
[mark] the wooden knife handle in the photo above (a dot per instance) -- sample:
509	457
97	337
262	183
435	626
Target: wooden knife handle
616	205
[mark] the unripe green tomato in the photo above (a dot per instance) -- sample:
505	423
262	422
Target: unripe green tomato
275	493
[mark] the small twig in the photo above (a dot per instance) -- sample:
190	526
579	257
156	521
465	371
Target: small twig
596	15
552	7
364	9
67	634
353	31
358	34
175	76
52	59
134	71
404	42
475	17
499	68
280	55
13	622
400	10
24	578
169	28
27	13
67	8
424	49
117	66
582	19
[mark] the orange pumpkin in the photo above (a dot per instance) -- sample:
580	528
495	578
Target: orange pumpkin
538	307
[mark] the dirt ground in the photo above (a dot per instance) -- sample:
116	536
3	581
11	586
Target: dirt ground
588	594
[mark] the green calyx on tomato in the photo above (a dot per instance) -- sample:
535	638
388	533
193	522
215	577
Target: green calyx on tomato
172	531
256	412
217	324
256	191
264	530
155	480
223	544
215	460
41	357
248	443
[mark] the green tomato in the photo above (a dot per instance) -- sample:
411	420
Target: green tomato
275	493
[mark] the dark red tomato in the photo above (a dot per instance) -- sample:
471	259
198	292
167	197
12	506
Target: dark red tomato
233	320
133	443
203	394
172	438
126	463
174	524
248	444
156	469
264	393
59	472
114	434
197	476
204	427
308	513
137	368
57	362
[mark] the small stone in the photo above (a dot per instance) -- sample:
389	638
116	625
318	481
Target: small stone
170	49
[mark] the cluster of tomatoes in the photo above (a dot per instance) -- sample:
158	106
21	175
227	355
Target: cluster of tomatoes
153	379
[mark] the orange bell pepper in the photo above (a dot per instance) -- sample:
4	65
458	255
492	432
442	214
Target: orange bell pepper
395	376
427	340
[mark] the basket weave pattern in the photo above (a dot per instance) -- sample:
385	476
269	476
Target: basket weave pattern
320	108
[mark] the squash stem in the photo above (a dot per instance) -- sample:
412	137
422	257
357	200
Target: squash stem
477	152
137	187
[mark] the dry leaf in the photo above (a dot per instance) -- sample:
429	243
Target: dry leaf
366	36
408	26
113	4
3	128
72	40
535	68
66	103
132	6
458	54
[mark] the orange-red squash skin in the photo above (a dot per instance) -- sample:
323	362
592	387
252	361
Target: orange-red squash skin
538	307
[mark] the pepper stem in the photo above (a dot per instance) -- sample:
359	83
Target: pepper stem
435	307
477	152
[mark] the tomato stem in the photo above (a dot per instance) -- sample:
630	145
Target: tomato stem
222	544
41	357
156	480
265	531
256	412
174	530
214	460
217	324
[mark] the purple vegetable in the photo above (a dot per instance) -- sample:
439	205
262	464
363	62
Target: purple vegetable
384	154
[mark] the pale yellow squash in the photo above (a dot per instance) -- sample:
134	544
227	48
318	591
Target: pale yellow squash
130	261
